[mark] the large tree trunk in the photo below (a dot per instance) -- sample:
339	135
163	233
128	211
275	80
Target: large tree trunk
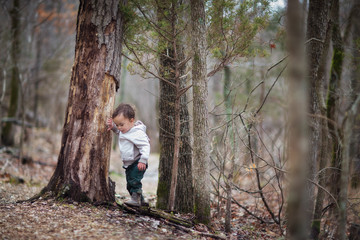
297	223
7	133
83	164
168	94
200	113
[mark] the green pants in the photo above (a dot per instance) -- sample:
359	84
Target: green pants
133	178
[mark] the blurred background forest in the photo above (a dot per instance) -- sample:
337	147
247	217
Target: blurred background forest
248	106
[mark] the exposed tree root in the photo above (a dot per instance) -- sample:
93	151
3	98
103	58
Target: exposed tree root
43	194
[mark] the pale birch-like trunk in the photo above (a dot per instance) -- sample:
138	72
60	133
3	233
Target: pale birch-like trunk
201	159
82	172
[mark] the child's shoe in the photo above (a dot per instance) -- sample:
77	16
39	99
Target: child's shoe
135	200
143	202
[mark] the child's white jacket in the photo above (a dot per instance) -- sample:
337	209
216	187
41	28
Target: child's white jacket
134	144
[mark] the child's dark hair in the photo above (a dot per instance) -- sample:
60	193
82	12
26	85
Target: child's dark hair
126	110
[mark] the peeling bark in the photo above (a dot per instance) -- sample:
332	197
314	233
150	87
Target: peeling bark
83	163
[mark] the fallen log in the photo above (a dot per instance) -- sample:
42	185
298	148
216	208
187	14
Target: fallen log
156	213
179	223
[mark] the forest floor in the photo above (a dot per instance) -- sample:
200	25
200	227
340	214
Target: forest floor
50	219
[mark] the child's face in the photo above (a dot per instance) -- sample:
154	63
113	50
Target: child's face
123	124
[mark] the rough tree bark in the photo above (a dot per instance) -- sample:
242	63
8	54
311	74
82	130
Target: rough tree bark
317	66
297	139
317	22
7	136
200	113
83	164
168	94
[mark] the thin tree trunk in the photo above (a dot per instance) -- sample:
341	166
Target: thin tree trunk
2	95
7	134
297	138
83	164
175	165
200	113
228	204
37	75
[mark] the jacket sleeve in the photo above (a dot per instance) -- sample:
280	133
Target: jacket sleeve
115	129
143	144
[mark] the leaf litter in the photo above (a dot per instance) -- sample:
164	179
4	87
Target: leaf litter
50	219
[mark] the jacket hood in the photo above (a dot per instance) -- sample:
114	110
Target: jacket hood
139	125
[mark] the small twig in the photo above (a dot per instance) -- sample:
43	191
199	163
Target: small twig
313	39
269	69
184	90
258	174
267	94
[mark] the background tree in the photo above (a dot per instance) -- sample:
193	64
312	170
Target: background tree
318	16
355	86
318	36
40	98
83	164
333	102
7	133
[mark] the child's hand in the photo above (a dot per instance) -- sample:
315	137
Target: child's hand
109	122
141	166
